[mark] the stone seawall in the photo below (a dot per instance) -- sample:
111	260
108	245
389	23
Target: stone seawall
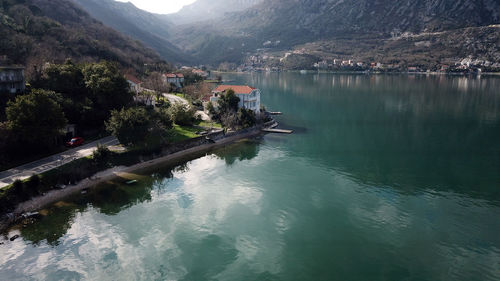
170	153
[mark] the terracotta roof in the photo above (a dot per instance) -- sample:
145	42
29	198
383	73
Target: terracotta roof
132	78
238	89
174	75
206	97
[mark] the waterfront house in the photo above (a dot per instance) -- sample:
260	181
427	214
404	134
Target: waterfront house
134	83
146	98
12	80
249	96
176	79
200	72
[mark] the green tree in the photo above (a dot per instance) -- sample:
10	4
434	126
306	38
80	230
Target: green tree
228	102
246	118
7	143
101	156
191	78
182	114
36	119
109	89
213	112
66	79
162	119
130	126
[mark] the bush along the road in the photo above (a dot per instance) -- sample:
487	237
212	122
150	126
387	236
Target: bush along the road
71	173
67	174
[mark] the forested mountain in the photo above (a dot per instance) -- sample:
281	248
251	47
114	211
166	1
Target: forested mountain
202	10
37	31
151	29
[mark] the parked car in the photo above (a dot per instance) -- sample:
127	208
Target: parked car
75	142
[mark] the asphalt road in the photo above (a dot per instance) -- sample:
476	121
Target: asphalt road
27	170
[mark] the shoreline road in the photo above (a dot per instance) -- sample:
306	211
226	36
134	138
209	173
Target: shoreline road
175	99
48	163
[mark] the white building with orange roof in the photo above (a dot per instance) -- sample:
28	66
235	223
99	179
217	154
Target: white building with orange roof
249	96
174	78
134	83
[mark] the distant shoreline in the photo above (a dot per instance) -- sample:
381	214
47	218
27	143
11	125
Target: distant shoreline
366	72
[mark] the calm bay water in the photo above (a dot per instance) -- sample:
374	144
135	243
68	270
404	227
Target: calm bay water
385	178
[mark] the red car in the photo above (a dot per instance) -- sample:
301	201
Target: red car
75	142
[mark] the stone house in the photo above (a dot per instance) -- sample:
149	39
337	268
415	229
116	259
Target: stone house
12	80
176	79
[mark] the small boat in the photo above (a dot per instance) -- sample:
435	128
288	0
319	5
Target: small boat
31	215
131	182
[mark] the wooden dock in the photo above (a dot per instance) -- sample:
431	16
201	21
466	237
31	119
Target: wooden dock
278	131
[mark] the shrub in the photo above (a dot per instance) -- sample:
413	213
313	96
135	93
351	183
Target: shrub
163	118
182	114
17	190
32	186
101	156
129	126
246	118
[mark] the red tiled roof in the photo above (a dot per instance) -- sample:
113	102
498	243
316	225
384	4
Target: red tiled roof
174	75
206	97
132	78
238	89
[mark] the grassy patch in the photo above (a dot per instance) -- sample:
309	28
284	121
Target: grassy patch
209	124
180	95
180	133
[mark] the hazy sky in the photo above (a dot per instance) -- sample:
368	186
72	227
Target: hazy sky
160	6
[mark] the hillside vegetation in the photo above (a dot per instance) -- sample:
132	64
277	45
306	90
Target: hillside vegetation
38	31
203	10
151	29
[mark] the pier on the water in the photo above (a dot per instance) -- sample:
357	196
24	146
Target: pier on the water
272	128
278	131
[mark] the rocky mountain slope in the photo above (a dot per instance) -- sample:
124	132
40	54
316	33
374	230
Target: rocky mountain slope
37	31
423	32
429	50
151	29
283	24
209	9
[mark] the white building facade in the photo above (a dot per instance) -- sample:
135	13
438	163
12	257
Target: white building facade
249	96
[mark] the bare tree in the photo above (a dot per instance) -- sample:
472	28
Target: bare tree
156	83
198	90
229	120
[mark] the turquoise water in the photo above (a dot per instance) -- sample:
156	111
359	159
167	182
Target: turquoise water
385	178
